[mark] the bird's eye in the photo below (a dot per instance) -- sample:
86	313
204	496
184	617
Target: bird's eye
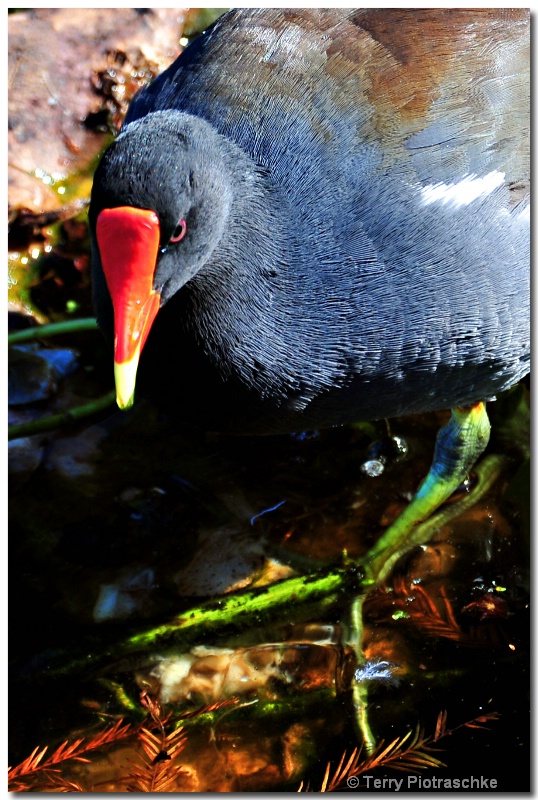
179	232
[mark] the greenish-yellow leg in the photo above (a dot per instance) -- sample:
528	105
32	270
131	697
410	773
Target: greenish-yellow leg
459	444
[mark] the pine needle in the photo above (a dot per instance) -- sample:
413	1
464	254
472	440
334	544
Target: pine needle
423	612
409	753
74	751
156	771
440	728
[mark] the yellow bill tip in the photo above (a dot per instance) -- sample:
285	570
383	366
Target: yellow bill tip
125	378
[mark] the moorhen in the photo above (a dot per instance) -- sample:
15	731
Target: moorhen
321	216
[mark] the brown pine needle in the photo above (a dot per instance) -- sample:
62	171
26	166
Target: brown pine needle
209	708
160	749
440	727
423	612
409	753
74	751
158	768
30	764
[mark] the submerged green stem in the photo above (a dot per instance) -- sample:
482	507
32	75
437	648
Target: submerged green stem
293	705
51	423
360	689
255	607
53	329
236	612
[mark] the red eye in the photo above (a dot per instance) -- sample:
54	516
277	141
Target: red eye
179	232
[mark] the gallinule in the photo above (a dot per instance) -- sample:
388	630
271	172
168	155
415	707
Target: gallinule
321	216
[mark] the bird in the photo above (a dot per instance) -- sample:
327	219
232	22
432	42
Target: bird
316	217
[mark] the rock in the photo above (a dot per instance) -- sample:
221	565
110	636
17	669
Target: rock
68	67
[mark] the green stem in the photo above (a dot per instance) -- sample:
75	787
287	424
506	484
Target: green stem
46	424
360	688
294	706
54	329
360	704
254	608
232	614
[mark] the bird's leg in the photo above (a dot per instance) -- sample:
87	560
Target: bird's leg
459	444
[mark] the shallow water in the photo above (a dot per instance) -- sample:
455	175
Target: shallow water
127	523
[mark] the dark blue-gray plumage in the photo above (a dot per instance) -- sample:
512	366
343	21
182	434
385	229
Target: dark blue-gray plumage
354	186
